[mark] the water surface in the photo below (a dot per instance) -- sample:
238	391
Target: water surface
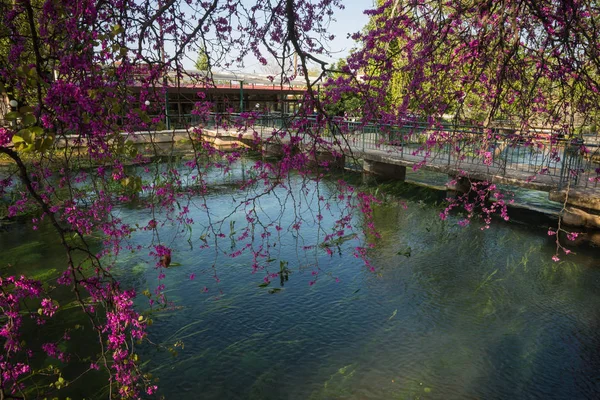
450	313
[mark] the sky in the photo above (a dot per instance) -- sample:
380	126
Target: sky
347	21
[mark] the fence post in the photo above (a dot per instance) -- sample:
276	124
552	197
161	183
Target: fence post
571	162
401	142
506	147
363	138
449	149
447	145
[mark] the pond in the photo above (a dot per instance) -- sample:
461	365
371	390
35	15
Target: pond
450	312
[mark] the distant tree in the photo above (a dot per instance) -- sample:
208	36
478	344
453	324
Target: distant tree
202	62
341	102
534	61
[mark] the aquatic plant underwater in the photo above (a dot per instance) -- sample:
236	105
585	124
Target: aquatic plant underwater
83	78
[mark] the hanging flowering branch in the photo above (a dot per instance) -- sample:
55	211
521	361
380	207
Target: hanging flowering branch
88	79
474	81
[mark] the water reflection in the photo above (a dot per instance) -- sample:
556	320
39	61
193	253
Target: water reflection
466	314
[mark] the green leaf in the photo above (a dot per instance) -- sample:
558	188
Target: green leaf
29	148
32	73
274	290
27	135
116	30
37	130
22	71
26	110
13	115
264	284
29	119
17	139
46	143
60	382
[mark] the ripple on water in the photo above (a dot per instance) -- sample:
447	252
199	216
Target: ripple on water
469	314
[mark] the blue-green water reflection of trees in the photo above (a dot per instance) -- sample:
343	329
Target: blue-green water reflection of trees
464	314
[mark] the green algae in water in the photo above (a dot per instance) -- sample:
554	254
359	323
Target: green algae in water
28	256
175	336
139	268
428	348
339	385
265	387
178	363
24	254
44	276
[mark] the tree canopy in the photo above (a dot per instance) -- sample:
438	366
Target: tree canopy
202	62
532	62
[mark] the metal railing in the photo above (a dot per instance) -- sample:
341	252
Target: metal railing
572	160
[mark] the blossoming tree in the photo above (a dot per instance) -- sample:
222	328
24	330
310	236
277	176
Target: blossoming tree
67	69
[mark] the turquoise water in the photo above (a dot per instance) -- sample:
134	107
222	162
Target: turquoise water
450	313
